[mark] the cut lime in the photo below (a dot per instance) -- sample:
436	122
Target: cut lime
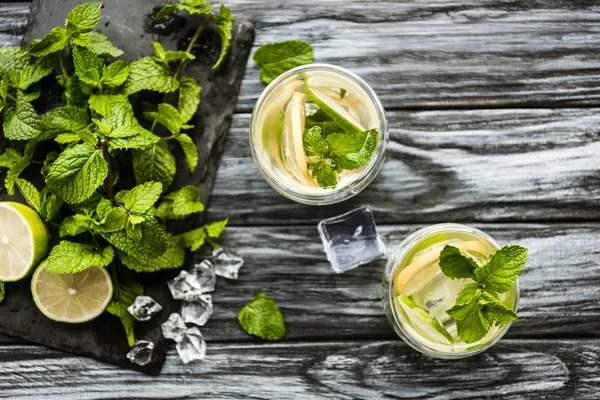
23	241
335	111
72	298
423	321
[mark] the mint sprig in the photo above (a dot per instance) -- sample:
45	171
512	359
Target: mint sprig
477	305
261	317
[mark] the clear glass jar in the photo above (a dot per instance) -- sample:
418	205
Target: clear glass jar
426	286
268	137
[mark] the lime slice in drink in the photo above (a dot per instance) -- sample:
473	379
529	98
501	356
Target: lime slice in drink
72	298
423	321
335	111
23	241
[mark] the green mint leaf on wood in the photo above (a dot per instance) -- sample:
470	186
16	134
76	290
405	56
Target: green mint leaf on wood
130	290
55	40
189	98
154	164
180	204
77	173
84	18
277	58
69	257
224	24
215	229
101	45
172	258
501	271
190	151
261	317
141	198
314	144
456	265
22	122
150	74
352	150
193	239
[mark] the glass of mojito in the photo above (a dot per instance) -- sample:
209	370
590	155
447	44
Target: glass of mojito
318	134
420	300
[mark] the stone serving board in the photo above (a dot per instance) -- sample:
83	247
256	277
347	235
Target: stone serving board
128	23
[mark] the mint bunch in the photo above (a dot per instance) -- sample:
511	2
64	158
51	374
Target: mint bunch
261	317
328	155
478	306
107	184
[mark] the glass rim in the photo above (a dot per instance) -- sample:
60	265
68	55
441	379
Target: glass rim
338	194
408	243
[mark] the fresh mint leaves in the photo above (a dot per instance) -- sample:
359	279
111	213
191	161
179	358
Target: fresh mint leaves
477	306
105	217
329	155
261	317
277	58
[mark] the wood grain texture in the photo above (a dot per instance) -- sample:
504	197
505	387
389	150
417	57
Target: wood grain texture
303	371
452	165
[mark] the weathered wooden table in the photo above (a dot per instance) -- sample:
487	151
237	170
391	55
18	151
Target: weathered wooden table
492	110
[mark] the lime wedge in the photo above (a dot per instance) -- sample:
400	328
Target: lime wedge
72	298
23	241
423	321
335	111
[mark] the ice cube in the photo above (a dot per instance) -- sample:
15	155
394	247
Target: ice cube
198	312
144	308
192	347
174	328
185	286
141	352
205	273
227	264
351	239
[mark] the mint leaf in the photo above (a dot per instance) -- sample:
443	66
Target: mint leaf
77	173
30	194
130	290
32	74
141	198
22	122
314	144
470	322
325	173
88	137
194	7
180	204
104	104
73	94
168	56
168	116
115	74
261	317
13	59
166	10
496	312
150	74
277	58
153	242
214	229
352	150
84	18
173	257
66	119
135	138
88	66
193	239
468	291
13	174
9	158
154	164
112	219
79	39
189	98
224	25
72	226
66	138
189	150
69	257
456	265
502	269
55	40
102	46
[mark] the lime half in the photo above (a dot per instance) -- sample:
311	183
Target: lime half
72	298
23	241
335	111
423	321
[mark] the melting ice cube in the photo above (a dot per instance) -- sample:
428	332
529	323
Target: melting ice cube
192	347
174	328
226	264
198	312
205	273
185	286
351	239
144	308
141	352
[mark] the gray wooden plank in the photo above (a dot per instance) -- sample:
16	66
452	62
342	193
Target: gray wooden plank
13	22
349	370
452	165
431	53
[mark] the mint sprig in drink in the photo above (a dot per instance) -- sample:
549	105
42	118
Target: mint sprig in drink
318	134
450	291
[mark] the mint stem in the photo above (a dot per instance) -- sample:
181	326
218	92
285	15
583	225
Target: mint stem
10	96
61	59
193	42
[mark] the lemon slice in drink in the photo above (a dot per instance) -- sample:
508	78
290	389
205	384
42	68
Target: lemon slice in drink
335	111
23	241
424	322
72	298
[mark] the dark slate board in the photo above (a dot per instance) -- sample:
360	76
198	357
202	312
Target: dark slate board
128	23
